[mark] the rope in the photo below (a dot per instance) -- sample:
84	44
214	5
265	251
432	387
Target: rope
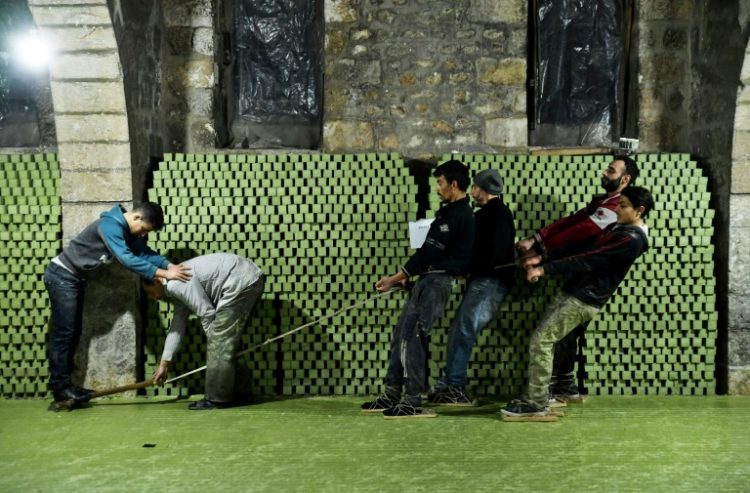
269	341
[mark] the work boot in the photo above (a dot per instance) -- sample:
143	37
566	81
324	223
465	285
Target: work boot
204	405
451	396
380	404
71	393
566	392
522	408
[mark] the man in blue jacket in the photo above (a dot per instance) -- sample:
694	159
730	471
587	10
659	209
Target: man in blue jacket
445	254
592	275
117	235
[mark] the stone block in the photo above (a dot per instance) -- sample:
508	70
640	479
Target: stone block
114	185
92	128
741	178
77	39
100	66
203	41
193	13
501	73
742	117
739	315
739	260
196	73
202	136
77	215
199	101
340	11
664	10
72	15
505	11
390	142
506	132
107	351
741	146
745	72
739	381
80	157
739	207
88	97
343	136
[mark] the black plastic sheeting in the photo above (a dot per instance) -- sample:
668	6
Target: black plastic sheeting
19	126
580	66
279	55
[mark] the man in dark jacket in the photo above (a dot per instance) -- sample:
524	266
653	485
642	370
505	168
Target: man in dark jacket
445	254
592	276
490	278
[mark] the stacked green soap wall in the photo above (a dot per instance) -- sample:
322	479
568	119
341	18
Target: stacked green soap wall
324	228
30	235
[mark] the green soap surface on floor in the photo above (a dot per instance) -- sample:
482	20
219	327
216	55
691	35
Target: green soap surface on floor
608	444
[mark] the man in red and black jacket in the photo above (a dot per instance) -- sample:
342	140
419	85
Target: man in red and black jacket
577	229
592	274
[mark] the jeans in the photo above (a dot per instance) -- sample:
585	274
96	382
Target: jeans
478	307
407	369
226	375
561	317
66	292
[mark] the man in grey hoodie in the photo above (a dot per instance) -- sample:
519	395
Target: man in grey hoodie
117	235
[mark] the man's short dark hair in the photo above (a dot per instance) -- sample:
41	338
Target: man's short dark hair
454	170
631	167
639	197
152	214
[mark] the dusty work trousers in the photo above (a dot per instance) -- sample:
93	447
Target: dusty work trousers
407	367
226	375
562	316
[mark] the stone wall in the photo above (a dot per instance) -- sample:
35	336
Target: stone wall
94	156
689	57
424	77
167	48
739	241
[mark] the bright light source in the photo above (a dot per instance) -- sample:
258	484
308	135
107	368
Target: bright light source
30	51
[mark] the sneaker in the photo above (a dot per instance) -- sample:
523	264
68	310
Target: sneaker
451	396
555	402
566	392
380	404
521	408
404	411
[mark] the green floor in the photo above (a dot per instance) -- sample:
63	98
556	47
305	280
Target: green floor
639	444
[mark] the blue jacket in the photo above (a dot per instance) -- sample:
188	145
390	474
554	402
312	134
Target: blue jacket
106	239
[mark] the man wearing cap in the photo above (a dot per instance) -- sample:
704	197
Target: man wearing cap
489	280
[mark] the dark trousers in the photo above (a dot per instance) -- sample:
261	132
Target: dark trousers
408	362
66	293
